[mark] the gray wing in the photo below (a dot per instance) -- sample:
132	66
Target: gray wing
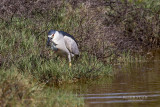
71	45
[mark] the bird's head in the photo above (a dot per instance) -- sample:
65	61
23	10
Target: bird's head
50	37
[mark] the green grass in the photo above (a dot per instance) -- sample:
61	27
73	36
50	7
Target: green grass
22	90
30	72
128	57
149	4
29	68
23	49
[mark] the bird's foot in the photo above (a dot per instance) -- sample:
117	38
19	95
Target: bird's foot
70	64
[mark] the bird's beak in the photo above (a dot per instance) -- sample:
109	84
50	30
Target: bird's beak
48	41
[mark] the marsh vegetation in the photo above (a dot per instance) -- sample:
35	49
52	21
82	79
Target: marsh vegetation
30	72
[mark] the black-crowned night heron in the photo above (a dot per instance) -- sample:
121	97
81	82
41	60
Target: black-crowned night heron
63	43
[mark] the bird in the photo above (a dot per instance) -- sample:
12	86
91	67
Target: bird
63	44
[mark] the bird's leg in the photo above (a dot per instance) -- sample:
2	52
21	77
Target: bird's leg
69	58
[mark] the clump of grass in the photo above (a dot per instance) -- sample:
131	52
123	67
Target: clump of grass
21	89
57	70
27	65
127	57
25	50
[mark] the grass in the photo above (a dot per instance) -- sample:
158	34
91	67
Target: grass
24	48
30	72
28	68
22	90
128	57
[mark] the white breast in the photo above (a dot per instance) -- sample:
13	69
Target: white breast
58	39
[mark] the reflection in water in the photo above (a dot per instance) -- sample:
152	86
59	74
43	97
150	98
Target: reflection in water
137	84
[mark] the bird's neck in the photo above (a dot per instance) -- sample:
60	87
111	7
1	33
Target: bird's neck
58	37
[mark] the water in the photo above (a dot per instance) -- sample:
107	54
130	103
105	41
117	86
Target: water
134	84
